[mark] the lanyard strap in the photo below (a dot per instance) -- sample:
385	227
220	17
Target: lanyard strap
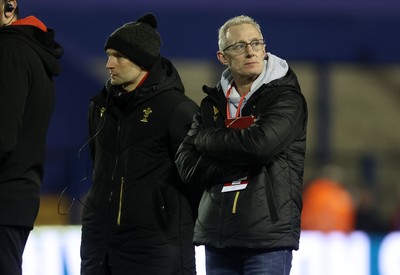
228	111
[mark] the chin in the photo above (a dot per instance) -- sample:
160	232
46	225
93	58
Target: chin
114	82
254	72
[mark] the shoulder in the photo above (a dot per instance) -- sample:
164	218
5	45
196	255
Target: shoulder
15	51
187	106
284	95
14	45
17	57
173	96
180	103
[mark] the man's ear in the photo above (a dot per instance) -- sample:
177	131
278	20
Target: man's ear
221	58
9	8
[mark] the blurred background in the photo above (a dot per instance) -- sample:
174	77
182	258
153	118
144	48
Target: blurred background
346	54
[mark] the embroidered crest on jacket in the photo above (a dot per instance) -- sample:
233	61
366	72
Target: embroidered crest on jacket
146	114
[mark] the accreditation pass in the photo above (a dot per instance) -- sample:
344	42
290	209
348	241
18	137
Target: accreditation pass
235	185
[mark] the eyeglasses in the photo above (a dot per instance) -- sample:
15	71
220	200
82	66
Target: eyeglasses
241	47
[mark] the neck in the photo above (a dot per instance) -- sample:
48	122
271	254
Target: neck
243	90
243	87
129	87
243	84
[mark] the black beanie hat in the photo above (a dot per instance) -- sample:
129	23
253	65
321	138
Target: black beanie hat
139	41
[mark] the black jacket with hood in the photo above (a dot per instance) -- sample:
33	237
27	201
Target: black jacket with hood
28	61
266	214
137	213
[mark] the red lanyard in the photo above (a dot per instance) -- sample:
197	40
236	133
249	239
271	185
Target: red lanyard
228	112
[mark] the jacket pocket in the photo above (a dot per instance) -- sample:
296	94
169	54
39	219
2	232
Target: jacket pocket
160	207
270	194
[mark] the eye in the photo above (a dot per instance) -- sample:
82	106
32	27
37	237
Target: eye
239	46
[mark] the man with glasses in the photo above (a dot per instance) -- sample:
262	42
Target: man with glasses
246	148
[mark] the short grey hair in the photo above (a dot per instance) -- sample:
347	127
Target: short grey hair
237	20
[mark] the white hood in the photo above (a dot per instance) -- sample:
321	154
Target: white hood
274	68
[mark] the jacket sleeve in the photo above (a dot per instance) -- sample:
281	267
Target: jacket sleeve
196	168
13	97
274	129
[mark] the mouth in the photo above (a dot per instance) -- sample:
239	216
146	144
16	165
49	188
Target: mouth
251	63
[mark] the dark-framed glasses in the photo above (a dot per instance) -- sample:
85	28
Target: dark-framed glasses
240	47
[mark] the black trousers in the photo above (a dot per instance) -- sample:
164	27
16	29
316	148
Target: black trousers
12	244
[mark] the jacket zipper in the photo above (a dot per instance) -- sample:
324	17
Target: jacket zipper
117	158
221	224
122	178
120	201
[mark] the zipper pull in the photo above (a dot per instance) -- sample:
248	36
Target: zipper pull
102	110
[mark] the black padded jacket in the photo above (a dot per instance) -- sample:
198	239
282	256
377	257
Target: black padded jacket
29	59
137	213
271	152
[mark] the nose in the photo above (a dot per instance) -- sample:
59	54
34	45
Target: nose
110	62
249	50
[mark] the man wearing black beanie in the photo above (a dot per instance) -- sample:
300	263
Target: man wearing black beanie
138	216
